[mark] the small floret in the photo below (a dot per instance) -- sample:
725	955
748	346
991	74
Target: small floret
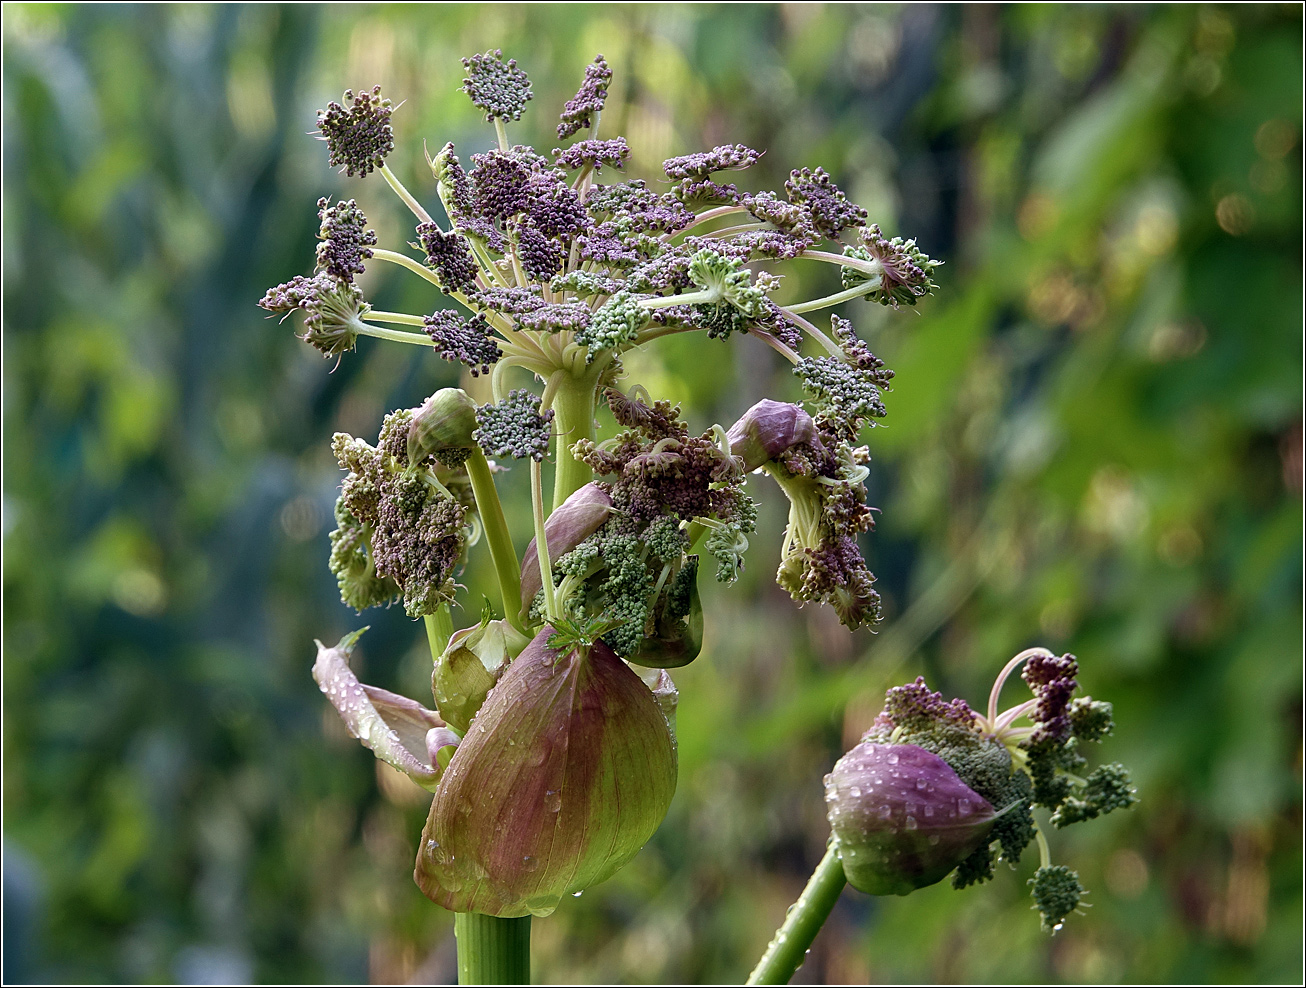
831	211
615	323
358	138
467	341
841	392
540	255
728	157
346	240
497	87
1057	894
1107	788
588	101
450	256
514	427
499	184
728	277
593	154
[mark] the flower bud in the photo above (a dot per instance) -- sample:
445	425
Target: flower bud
768	429
565	773
902	817
574	520
472	663
445	422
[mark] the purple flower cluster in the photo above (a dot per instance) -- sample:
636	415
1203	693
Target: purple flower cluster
497	87
832	212
588	101
915	707
450	256
728	157
593	154
358	138
466	340
1053	682
346	240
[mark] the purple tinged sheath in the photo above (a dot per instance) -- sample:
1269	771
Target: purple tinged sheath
768	429
566	772
575	520
902	816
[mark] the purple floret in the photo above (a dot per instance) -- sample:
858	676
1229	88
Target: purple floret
358	138
728	157
497	87
541	257
1053	682
554	207
914	707
346	240
449	254
499	184
557	317
588	100
515	427
593	154
466	340
831	210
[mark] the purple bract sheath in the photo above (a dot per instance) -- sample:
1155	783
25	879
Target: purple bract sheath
902	817
565	773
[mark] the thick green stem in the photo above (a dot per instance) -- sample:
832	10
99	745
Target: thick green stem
493	951
786	952
439	628
573	408
506	566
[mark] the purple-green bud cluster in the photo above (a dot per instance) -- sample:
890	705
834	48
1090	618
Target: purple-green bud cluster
935	788
497	87
358	135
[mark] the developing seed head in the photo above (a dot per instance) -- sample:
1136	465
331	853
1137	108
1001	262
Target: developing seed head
497	87
346	240
358	137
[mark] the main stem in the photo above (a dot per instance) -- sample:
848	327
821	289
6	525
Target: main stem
573	409
786	952
493	951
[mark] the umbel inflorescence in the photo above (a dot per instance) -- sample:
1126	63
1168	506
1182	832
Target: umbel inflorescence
552	263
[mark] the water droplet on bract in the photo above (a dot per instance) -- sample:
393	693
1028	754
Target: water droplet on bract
929	810
963	806
856	792
885	811
529	863
553	801
1057	928
934	839
541	905
576	895
921	783
911	823
892	759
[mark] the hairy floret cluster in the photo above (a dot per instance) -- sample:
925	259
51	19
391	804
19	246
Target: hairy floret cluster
589	99
399	530
906	272
728	157
497	87
467	341
514	427
332	308
358	138
346	240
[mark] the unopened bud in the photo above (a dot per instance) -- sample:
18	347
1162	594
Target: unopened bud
470	666
768	429
902	817
443	424
565	773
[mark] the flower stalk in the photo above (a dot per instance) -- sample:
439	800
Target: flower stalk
788	949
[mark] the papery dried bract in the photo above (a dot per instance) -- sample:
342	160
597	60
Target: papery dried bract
902	817
565	773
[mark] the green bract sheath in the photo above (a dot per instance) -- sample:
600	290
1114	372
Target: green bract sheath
471	664
564	774
902	817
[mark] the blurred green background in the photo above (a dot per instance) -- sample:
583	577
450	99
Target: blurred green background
1095	444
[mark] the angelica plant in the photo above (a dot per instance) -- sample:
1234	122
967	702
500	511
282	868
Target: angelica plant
551	753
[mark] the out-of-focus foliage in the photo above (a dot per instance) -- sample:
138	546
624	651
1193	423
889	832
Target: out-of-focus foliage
1094	443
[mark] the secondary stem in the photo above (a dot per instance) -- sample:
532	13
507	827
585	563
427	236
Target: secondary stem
493	951
497	536
404	194
439	628
785	954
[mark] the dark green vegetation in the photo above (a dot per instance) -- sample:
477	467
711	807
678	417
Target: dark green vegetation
1093	443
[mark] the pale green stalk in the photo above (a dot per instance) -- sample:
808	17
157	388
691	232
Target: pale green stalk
497	537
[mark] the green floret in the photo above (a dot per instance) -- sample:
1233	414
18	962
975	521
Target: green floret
665	539
1090	719
615	324
1056	894
1107	788
351	562
727	545
730	280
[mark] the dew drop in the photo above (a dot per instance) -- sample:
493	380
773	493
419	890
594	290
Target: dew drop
892	758
911	823
553	801
856	792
